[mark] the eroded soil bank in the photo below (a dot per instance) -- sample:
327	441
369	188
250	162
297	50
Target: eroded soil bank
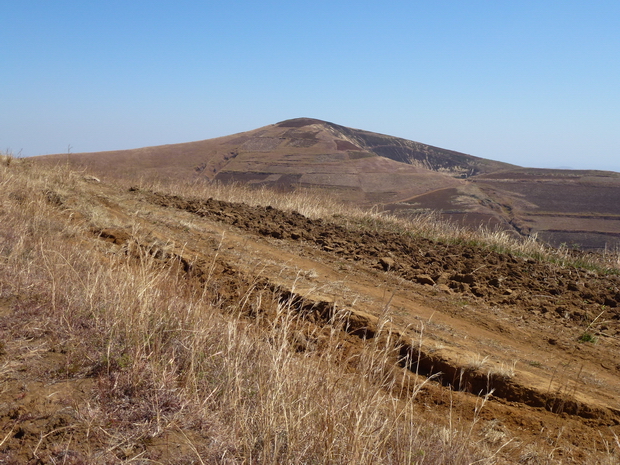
539	339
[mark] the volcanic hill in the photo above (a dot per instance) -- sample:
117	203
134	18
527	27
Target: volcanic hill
576	208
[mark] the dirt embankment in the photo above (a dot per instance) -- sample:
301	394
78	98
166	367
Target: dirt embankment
568	295
482	309
572	305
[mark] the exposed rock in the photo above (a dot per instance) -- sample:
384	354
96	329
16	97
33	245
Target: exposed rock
387	263
425	279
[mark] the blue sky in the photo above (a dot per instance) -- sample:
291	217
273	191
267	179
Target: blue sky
535	83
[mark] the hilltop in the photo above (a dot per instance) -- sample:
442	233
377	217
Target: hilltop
302	152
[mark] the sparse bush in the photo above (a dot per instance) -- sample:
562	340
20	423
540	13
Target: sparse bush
6	159
587	337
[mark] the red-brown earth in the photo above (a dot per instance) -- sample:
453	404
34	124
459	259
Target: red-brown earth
481	320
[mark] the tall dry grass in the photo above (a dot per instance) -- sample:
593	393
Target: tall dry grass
181	377
173	366
319	204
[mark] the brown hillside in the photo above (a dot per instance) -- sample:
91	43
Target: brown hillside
357	166
229	325
578	209
414	153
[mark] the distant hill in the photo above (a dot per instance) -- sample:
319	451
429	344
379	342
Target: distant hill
302	152
576	208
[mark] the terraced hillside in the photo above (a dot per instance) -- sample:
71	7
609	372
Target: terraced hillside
295	153
229	325
575	209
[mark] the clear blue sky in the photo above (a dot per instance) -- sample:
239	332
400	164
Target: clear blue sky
535	83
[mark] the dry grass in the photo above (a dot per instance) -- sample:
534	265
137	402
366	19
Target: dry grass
181	377
317	204
172	366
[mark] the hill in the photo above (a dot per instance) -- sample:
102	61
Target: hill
560	207
222	324
357	166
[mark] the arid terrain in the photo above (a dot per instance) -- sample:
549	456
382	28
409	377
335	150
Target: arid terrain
567	208
564	208
184	322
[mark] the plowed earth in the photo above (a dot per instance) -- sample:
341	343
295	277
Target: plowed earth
479	321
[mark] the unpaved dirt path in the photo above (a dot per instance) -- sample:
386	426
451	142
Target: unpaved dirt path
486	320
476	303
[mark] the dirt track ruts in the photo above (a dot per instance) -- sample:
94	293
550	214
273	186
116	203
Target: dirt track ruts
555	295
543	288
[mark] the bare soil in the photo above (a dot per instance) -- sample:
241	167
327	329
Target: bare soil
479	321
570	207
579	209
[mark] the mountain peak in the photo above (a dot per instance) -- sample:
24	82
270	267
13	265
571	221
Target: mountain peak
365	167
300	122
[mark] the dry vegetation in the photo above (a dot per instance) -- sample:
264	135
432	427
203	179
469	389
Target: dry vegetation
125	358
429	224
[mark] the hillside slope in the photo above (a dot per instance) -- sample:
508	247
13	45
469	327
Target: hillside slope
570	208
561	207
357	166
109	295
450	162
